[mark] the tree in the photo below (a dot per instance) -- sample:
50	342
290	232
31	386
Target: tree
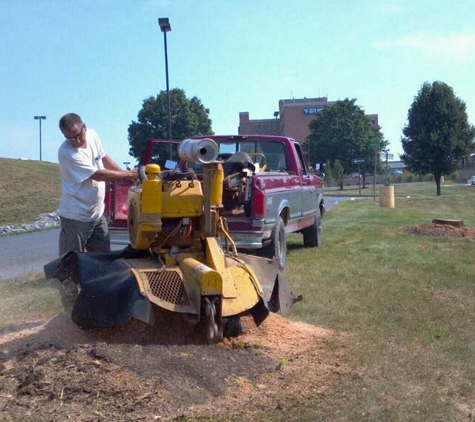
188	118
438	134
338	173
343	132
328	172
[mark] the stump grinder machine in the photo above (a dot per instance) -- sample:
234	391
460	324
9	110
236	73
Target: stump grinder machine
180	259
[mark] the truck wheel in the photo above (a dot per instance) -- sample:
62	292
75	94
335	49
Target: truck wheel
278	245
312	236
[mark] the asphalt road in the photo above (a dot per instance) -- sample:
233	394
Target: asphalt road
28	253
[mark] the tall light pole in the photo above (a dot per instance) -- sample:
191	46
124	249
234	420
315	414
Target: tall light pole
165	27
40	118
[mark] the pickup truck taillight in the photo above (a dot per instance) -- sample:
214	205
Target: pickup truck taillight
258	201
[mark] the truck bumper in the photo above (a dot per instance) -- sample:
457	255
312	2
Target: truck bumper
247	240
119	236
242	239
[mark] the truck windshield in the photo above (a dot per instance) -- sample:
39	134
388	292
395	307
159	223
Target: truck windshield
266	153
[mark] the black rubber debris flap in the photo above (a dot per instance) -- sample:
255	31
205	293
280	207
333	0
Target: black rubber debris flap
109	294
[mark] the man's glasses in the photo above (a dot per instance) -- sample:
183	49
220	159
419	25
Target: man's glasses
75	138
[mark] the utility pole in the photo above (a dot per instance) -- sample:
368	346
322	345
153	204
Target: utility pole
40	118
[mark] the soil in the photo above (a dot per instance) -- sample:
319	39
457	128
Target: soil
54	371
445	230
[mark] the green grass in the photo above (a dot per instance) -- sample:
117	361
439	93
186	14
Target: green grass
27	188
400	189
27	299
402	304
407	300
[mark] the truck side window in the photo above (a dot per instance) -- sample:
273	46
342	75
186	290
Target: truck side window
303	164
275	155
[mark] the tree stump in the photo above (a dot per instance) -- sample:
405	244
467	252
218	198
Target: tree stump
448	222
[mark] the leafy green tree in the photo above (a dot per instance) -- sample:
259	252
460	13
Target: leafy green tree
338	172
328	171
188	118
343	132
438	134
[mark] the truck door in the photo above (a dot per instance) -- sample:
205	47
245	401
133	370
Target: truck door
285	190
309	191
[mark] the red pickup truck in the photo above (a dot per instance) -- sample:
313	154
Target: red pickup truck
269	191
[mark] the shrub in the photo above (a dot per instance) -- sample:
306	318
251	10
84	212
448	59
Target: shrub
410	178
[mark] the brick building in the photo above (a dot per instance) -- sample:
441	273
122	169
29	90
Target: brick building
291	120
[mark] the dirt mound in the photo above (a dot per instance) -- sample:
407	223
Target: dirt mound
54	371
444	230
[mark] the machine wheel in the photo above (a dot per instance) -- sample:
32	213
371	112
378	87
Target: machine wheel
214	333
278	245
233	327
312	236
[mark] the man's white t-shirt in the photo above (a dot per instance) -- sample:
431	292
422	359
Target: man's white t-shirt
81	197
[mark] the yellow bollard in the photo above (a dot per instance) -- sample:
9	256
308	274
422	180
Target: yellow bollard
386	196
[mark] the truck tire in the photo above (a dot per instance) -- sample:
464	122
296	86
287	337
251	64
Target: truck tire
312	236
277	247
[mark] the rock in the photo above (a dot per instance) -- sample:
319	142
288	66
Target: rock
44	221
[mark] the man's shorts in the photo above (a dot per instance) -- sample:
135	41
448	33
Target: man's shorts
84	236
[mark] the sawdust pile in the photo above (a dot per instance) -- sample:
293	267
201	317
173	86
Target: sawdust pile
55	371
443	230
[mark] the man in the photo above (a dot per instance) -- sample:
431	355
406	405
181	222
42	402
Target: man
84	169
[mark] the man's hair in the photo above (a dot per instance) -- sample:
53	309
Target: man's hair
68	121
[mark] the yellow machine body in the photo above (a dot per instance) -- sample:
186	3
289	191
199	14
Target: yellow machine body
217	179
182	199
178	221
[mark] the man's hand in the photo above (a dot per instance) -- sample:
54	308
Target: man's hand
132	175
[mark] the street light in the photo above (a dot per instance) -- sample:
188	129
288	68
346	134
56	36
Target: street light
165	27
276	115
40	118
126	164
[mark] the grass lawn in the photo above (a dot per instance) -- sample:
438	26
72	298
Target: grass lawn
400	189
27	188
407	302
27	299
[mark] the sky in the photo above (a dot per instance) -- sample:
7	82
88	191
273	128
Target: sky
103	58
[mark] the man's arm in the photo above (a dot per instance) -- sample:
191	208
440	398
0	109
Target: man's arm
110	164
114	175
